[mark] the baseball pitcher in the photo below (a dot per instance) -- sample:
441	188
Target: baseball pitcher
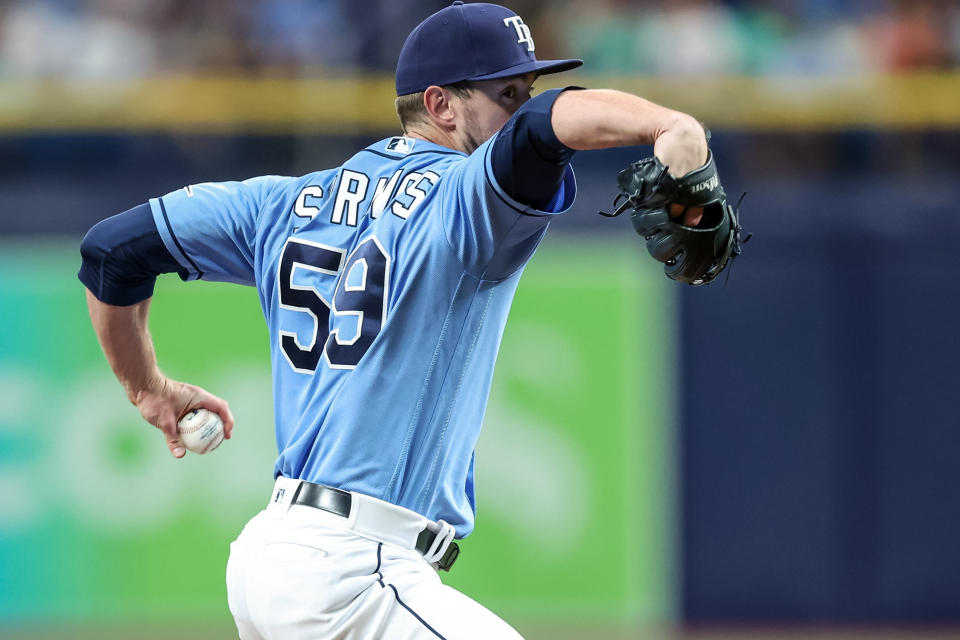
386	284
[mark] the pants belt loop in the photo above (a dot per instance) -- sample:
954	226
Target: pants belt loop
284	492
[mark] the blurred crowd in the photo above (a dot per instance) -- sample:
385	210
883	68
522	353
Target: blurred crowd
104	39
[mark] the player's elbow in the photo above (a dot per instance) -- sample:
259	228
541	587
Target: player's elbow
101	248
121	257
93	248
96	259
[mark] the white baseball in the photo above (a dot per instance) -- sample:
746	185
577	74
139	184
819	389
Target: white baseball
201	430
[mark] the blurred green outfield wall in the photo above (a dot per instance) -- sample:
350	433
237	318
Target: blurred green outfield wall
98	524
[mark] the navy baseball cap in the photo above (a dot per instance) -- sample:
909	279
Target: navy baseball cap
476	41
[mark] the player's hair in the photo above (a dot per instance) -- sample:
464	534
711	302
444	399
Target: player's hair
410	107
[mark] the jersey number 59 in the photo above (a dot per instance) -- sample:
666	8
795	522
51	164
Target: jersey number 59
361	293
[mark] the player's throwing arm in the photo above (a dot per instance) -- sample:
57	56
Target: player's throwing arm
125	339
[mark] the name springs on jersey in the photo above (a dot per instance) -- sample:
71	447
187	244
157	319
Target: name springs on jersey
353	189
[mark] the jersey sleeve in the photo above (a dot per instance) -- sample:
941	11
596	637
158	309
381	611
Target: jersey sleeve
122	257
492	233
211	229
528	160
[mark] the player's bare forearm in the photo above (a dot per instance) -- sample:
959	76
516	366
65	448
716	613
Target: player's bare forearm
602	118
126	342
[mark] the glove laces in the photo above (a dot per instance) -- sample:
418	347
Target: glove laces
440	543
736	238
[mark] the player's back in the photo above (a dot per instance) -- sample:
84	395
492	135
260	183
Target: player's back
386	285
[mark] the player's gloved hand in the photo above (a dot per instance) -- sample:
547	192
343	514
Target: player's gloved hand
691	254
165	401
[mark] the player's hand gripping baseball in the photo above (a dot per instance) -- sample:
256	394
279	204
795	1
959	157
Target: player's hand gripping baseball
165	401
123	334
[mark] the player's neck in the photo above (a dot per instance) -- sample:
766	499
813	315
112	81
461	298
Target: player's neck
436	136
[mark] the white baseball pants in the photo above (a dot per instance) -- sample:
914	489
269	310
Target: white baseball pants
297	572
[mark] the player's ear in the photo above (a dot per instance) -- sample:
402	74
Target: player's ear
439	106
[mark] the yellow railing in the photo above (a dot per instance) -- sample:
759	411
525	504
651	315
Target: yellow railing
365	103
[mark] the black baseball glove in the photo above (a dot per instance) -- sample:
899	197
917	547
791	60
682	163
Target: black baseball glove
695	255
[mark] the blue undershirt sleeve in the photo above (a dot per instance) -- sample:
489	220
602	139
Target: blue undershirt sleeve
528	160
122	257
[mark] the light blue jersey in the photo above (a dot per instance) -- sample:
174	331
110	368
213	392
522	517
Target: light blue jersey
386	285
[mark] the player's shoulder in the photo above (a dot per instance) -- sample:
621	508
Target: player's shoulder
279	186
277	193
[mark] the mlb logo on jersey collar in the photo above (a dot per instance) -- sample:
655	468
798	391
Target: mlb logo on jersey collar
400	145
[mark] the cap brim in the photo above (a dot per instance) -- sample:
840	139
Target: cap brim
540	67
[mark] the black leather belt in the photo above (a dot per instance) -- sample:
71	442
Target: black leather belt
339	501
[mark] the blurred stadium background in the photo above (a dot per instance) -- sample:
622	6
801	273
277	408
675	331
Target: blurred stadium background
774	457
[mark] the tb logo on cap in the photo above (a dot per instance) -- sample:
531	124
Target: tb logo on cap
523	31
